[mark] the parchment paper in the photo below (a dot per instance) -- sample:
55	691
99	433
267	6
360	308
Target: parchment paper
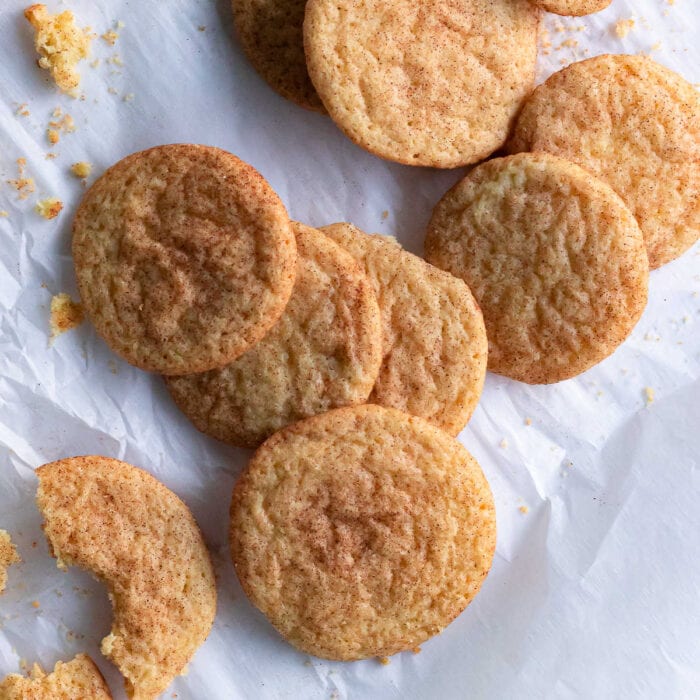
593	592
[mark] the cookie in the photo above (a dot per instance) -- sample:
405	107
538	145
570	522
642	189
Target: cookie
554	258
78	679
634	124
324	352
185	258
361	532
271	35
434	84
140	539
434	341
572	8
8	556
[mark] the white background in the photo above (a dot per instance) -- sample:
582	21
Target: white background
594	593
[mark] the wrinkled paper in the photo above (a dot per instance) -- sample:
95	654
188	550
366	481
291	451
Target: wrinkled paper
594	590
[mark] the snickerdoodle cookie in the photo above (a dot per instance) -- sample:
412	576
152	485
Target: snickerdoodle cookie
185	258
361	532
554	258
434	344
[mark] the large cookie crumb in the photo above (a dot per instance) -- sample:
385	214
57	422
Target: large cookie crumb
8	556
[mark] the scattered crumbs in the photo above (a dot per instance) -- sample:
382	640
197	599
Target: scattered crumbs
4	214
22	110
23	185
51	156
110	37
648	395
503	444
385	214
202	28
112	91
528	421
49	208
82	169
569	43
53	136
384	660
36	604
129	97
65	314
116	60
61	45
623	27
524	510
62	122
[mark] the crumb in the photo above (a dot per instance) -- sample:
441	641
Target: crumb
385	214
110	37
528	421
116	60
504	443
95	63
569	44
129	97
65	314
62	122
4	213
81	169
112	91
623	27
49	208
384	660
656	46
22	110
36	604
23	185
61	45
599	393
53	136
202	28
51	156
649	395
8	556
112	366
524	510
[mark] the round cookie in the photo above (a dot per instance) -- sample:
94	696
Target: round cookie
434	340
272	38
634	124
572	8
361	532
435	84
324	352
553	257
139	538
185	257
76	679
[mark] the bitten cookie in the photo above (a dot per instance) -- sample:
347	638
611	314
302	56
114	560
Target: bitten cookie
79	679
272	38
185	257
423	83
553	257
572	8
140	539
434	340
324	352
8	556
634	124
361	532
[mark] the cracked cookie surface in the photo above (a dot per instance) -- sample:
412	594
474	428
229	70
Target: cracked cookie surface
323	353
272	38
361	532
435	84
553	257
636	125
434	340
185	257
135	535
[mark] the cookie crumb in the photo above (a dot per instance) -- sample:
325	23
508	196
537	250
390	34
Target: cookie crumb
648	395
22	110
49	208
503	444
4	213
528	421
36	604
8	556
110	37
202	28
53	136
129	97
385	214
524	510
384	660
623	27
82	169
61	45
65	314
23	185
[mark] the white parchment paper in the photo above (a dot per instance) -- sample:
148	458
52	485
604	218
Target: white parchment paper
594	593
